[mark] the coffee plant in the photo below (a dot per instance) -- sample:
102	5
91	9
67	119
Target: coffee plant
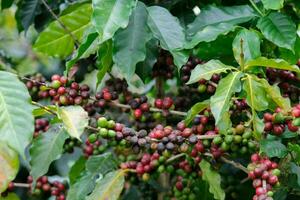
149	99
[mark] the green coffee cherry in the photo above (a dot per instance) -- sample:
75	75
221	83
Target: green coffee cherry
111	133
247	134
276	172
296	122
201	88
237	139
92	138
217	140
279	118
228	139
103	132
225	146
102	122
111	124
55	84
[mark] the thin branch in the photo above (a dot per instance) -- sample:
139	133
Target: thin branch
61	23
22	185
175	157
242	55
43	107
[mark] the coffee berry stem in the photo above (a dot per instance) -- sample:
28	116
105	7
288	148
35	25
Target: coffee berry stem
22	185
175	157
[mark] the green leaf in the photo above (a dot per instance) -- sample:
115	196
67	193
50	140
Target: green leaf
104	60
273	4
110	15
256	98
87	48
82	187
280	194
10	196
41	111
130	43
195	110
6	4
95	166
213	179
76	170
45	149
213	21
220	101
290	56
9	165
56	41
275	95
296	170
295	150
279	29
75	119
180	57
109	187
101	164
16	119
28	11
166	28
272	63
208	69
273	148
251	45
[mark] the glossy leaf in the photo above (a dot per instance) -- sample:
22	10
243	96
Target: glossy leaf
76	169
180	57
46	148
213	21
220	101
206	70
195	110
16	119
110	15
251	45
256	98
130	43
10	196
295	150
274	93
279	29
104	60
273	148
273	4
213	179
109	187
82	187
166	28
56	41
88	47
295	170
272	63
75	119
101	164
28	12
9	165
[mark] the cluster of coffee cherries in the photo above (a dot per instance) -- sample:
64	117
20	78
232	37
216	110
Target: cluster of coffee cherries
40	126
45	188
139	106
188	67
61	91
33	85
70	144
276	123
238	140
264	175
287	82
207	86
164	66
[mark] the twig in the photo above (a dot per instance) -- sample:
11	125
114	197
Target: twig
61	23
231	162
32	80
175	157
43	107
242	56
22	185
213	84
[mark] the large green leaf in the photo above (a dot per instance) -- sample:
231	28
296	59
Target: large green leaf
251	45
274	93
256	98
295	169
95	166
208	69
56	41
110	15
75	119
45	149
213	179
195	110
109	187
88	47
10	196
279	29
295	150
273	63
9	165
220	101
180	57
273	148
104	60
166	28
76	169
130	43
16	119
273	4
213	21
28	12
